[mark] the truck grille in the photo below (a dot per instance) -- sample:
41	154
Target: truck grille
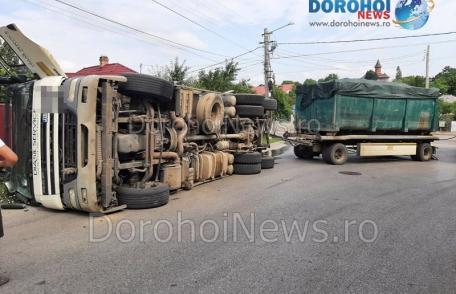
69	144
49	153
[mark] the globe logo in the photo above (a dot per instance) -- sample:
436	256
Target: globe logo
413	14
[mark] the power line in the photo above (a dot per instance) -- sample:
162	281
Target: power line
134	29
366	40
221	62
197	23
362	49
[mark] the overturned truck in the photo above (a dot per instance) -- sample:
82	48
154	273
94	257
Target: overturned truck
103	143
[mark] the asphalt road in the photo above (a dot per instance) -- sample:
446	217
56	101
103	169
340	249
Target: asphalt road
406	212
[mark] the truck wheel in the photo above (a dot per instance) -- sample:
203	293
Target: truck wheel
247	169
249	110
267	162
270	104
423	152
210	112
248	158
336	154
145	86
137	198
304	152
249	99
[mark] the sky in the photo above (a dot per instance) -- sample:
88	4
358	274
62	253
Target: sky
232	27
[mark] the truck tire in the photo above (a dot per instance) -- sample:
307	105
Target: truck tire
423	152
249	110
304	152
137	198
270	104
267	162
249	99
248	158
247	169
145	86
336	154
210	112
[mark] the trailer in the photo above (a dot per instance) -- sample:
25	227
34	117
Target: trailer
369	118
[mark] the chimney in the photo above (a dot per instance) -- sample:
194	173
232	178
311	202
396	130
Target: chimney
104	60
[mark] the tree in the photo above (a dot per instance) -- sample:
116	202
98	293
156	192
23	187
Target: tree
222	79
330	77
174	72
284	107
415	81
309	82
371	75
446	80
398	73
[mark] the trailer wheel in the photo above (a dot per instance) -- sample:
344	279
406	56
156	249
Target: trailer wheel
247	169
304	152
145	86
137	198
249	110
336	154
267	162
423	152
249	99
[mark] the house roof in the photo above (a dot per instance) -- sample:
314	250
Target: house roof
287	88
108	69
448	98
260	90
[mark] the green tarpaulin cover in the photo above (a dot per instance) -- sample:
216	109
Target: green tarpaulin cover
364	88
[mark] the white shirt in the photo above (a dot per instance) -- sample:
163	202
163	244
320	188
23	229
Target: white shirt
2	143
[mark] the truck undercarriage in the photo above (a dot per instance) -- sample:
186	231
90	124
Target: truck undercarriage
103	143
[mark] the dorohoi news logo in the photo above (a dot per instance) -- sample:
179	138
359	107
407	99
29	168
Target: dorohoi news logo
408	14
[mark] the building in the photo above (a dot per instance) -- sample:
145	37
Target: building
286	88
378	71
103	68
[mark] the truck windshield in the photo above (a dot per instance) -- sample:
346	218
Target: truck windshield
10	62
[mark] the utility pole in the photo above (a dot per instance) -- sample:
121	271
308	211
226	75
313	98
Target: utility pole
428	52
267	56
267	62
140	68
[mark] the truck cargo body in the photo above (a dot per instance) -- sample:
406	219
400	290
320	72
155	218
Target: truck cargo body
373	118
349	106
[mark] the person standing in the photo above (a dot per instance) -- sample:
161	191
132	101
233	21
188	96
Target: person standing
7	159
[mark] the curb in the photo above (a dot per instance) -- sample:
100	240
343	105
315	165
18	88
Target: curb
280	150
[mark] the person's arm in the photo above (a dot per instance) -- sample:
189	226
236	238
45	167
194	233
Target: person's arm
7	157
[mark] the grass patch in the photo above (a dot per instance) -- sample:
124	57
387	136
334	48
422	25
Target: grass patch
272	139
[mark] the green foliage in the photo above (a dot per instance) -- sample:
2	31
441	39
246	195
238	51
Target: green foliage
222	79
174	72
309	82
371	75
447	107
284	106
415	81
398	73
446	81
330	77
177	72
